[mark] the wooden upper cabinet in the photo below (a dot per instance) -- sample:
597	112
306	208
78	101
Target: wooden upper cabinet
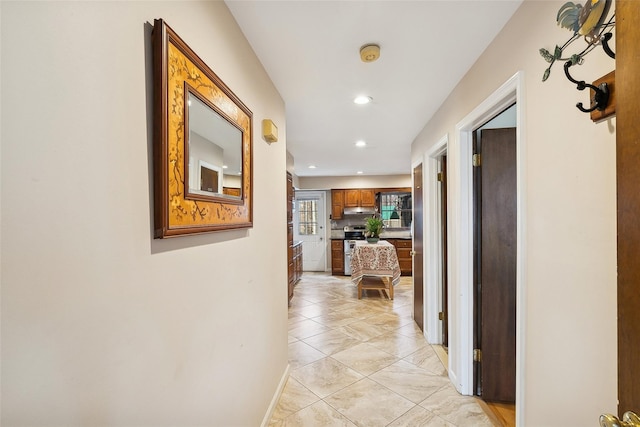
290	195
337	204
351	198
368	198
354	198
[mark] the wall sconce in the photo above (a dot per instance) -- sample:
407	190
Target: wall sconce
269	131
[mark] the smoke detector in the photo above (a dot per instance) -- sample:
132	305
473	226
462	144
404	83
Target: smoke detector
369	52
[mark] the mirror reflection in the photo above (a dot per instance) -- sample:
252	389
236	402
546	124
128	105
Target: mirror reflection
215	152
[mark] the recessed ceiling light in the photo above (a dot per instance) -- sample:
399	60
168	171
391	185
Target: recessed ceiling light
361	143
312	166
362	99
224	166
359	172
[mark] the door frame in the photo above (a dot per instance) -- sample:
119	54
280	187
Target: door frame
413	245
322	221
460	218
433	247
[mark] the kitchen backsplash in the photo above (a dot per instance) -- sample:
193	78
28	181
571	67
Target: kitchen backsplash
339	224
360	219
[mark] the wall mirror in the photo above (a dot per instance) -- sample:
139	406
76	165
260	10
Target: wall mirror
202	144
213	150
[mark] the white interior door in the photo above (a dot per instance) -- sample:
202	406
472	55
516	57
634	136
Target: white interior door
309	227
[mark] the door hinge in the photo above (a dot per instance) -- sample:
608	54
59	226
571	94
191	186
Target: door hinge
441	315
476	160
440	177
477	355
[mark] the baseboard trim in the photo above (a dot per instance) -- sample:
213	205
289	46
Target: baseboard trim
276	397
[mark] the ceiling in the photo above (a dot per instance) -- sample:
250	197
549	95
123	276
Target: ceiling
310	49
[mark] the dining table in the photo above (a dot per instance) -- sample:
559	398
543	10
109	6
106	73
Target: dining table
374	266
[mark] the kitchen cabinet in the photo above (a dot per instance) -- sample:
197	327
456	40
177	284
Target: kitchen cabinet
368	198
337	204
337	257
403	250
297	262
355	198
230	191
294	252
351	198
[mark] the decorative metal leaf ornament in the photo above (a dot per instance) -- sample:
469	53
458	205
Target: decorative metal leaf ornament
568	16
547	55
576	59
587	21
557	53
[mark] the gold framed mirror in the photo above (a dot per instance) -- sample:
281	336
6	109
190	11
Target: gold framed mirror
202	144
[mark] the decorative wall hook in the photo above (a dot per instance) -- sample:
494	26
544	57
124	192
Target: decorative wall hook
587	22
605	45
600	98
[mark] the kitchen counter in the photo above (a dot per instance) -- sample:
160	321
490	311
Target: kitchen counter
337	234
387	234
396	234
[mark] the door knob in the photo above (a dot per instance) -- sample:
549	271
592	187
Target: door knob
629	419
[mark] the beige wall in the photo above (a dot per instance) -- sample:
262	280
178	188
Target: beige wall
101	324
569	205
365	181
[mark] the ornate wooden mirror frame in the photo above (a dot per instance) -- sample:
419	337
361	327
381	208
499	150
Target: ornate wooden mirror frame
179	208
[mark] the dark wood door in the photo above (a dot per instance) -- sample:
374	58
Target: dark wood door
208	180
444	247
418	232
496	264
628	176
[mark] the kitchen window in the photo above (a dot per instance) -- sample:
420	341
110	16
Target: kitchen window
307	217
396	209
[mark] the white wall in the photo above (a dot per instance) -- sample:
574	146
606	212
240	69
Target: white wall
102	324
570	207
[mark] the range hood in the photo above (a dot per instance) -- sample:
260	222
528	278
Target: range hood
359	211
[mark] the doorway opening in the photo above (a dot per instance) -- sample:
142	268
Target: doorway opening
494	265
461	226
436	254
309	228
443	315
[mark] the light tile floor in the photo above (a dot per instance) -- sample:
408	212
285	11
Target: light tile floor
364	363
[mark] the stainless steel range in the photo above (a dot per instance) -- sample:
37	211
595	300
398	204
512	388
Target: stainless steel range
351	234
